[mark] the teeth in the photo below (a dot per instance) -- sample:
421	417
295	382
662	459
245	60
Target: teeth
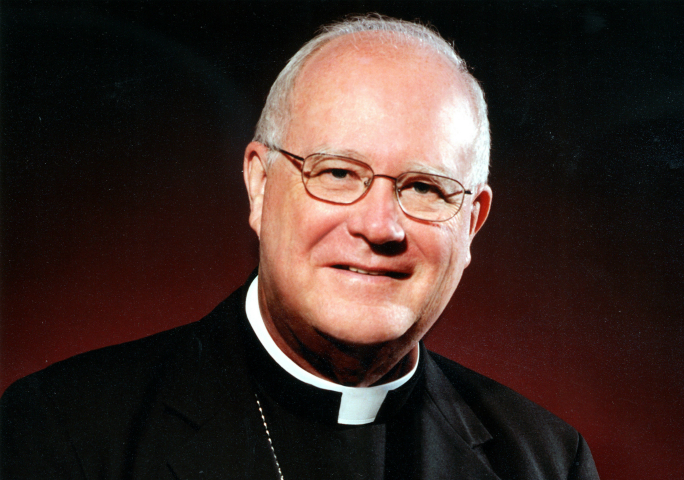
358	270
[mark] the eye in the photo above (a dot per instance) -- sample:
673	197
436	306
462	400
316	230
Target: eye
422	188
339	173
336	178
327	174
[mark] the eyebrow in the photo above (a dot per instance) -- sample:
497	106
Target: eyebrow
341	153
421	168
411	165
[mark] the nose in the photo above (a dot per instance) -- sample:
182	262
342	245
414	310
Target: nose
376	217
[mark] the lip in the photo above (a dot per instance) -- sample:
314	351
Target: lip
374	272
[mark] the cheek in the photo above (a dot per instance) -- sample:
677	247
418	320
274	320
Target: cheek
443	248
294	224
277	223
445	254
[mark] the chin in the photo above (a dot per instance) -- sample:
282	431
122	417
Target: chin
367	326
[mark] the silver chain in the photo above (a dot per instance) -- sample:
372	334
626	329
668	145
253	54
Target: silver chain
268	434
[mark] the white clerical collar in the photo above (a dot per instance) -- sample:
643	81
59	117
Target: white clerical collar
359	405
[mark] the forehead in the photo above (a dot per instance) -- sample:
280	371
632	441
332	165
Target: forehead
370	94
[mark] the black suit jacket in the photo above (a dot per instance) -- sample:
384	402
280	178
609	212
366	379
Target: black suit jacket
180	405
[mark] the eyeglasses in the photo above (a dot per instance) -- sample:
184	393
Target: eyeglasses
343	180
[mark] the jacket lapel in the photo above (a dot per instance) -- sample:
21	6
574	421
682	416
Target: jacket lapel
207	413
451	433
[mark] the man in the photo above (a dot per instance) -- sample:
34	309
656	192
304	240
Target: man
367	184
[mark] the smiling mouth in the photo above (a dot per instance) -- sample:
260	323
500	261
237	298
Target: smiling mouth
375	273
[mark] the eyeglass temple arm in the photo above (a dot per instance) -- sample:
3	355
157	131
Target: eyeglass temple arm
290	156
466	192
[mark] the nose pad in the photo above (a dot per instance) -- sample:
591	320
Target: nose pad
378	214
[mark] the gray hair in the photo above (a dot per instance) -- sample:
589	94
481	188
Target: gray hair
276	115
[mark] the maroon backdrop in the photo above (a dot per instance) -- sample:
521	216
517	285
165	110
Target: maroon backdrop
124	213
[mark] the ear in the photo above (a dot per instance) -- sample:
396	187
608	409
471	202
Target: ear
255	175
480	210
478	214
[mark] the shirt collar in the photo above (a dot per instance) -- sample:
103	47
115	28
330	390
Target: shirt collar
358	405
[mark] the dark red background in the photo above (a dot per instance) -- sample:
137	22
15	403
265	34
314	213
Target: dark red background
123	210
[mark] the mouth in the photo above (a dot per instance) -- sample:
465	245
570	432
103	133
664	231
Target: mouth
374	273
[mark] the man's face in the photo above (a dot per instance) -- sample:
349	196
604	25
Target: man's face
366	273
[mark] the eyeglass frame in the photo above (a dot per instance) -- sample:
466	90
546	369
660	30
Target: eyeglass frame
292	156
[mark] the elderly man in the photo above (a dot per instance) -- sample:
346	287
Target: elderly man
367	184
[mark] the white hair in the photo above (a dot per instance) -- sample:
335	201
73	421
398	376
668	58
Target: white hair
275	117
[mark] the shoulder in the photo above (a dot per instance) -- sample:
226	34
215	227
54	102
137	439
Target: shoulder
119	381
54	421
525	436
494	402
123	368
